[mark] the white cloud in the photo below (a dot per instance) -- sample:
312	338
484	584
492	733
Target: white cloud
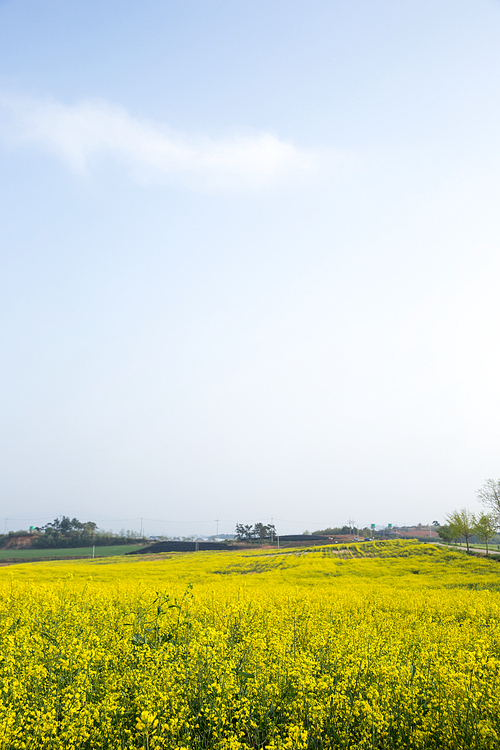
90	132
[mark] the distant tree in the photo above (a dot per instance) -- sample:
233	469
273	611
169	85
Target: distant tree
259	532
271	532
446	533
485	528
243	532
66	532
489	495
462	524
345	530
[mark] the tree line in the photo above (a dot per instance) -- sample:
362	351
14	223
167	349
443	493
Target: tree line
64	532
463	524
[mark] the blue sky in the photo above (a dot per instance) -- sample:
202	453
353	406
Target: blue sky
249	261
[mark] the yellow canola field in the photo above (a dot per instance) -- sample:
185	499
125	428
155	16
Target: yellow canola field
383	645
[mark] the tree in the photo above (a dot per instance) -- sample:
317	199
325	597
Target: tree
485	528
345	530
462	523
243	532
66	532
446	533
489	495
271	532
259	532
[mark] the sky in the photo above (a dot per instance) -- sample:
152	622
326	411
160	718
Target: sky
249	262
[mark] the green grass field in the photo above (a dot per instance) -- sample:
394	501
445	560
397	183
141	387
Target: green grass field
34	554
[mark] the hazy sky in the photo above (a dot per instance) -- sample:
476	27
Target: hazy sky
249	261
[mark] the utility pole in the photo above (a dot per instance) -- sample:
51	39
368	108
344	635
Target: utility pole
142	531
217	532
351	524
